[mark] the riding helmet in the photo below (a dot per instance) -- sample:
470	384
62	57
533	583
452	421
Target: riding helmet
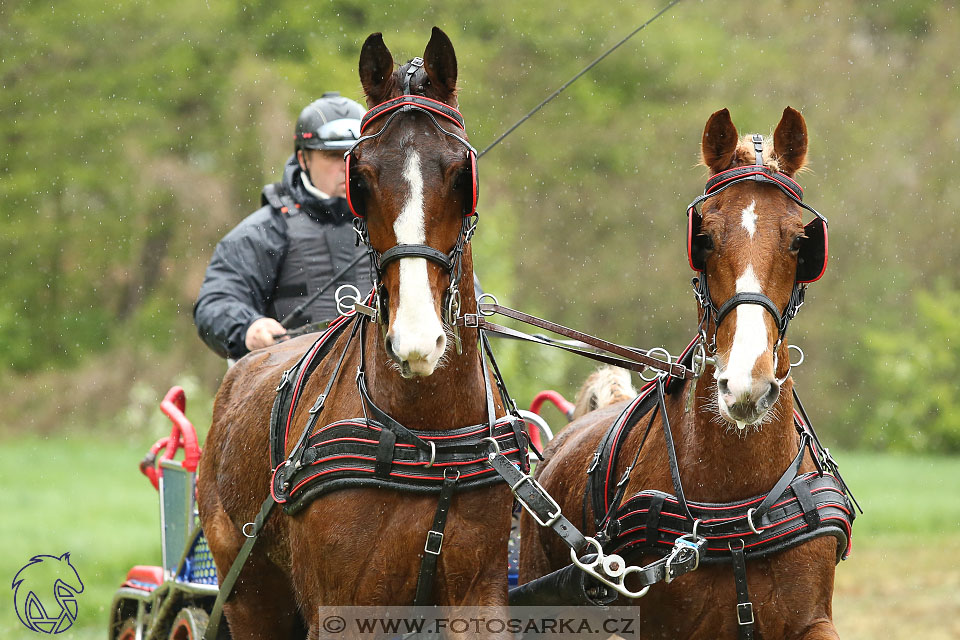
331	122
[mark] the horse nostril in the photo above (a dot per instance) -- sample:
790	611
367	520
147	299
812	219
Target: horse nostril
390	351
773	392
439	341
723	386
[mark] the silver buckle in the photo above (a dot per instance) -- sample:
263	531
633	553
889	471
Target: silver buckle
471	320
744	607
437	539
543	492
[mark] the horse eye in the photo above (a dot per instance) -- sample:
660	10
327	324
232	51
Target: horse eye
706	241
795	245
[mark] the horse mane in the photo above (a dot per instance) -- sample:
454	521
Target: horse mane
605	386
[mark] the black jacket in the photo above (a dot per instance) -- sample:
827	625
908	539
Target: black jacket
241	281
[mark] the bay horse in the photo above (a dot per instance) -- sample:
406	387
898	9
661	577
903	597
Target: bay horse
732	428
412	182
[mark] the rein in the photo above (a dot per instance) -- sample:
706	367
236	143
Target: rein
626	357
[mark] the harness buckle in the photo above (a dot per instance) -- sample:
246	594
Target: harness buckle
684	548
318	405
594	462
471	320
436	538
284	380
745	613
551	517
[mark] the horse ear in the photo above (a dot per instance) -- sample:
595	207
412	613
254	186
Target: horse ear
790	141
440	62
376	69
719	144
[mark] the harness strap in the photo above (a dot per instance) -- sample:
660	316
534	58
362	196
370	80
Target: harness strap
398	251
788	476
535	499
431	549
226	585
672	452
750	298
745	618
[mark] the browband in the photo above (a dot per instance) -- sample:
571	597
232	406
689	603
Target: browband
428	104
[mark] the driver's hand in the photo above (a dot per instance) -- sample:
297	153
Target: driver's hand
263	333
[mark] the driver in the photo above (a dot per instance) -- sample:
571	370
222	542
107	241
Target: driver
300	243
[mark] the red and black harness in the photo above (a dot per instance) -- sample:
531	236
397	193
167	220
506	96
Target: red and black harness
798	508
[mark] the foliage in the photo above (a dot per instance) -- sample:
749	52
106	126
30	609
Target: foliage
134	137
916	368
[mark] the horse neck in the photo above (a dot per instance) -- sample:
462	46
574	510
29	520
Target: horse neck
453	396
721	464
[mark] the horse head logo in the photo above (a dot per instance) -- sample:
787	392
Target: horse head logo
46	580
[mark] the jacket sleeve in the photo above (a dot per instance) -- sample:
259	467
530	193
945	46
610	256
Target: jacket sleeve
239	282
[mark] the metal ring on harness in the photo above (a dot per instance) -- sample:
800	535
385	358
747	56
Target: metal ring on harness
800	351
496	448
750	521
494	303
244	529
433	455
448	469
650	353
352	298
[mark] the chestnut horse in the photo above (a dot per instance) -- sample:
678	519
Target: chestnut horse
733	427
363	546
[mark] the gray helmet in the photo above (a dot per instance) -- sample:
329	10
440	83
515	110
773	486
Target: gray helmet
331	122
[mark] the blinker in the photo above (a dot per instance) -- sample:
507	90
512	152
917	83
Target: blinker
812	257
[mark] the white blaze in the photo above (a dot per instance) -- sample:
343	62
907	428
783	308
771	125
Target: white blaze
417	328
749	340
749	219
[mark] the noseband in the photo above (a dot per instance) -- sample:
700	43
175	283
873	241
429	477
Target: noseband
450	262
759	173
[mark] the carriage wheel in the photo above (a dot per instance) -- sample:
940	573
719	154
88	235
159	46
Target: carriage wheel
128	630
189	624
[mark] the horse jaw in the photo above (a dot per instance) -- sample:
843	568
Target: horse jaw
416	337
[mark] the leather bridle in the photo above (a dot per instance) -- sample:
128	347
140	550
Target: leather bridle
711	311
450	262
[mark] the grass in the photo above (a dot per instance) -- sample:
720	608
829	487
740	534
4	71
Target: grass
84	494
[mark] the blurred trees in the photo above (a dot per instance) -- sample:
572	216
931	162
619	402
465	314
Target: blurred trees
135	135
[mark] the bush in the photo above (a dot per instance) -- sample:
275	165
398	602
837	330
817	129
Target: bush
917	367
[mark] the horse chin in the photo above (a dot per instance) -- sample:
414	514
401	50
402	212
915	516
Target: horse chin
742	424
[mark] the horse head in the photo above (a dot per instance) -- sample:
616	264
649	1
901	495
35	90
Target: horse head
755	256
412	180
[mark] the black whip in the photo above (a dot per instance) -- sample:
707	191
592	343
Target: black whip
576	77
